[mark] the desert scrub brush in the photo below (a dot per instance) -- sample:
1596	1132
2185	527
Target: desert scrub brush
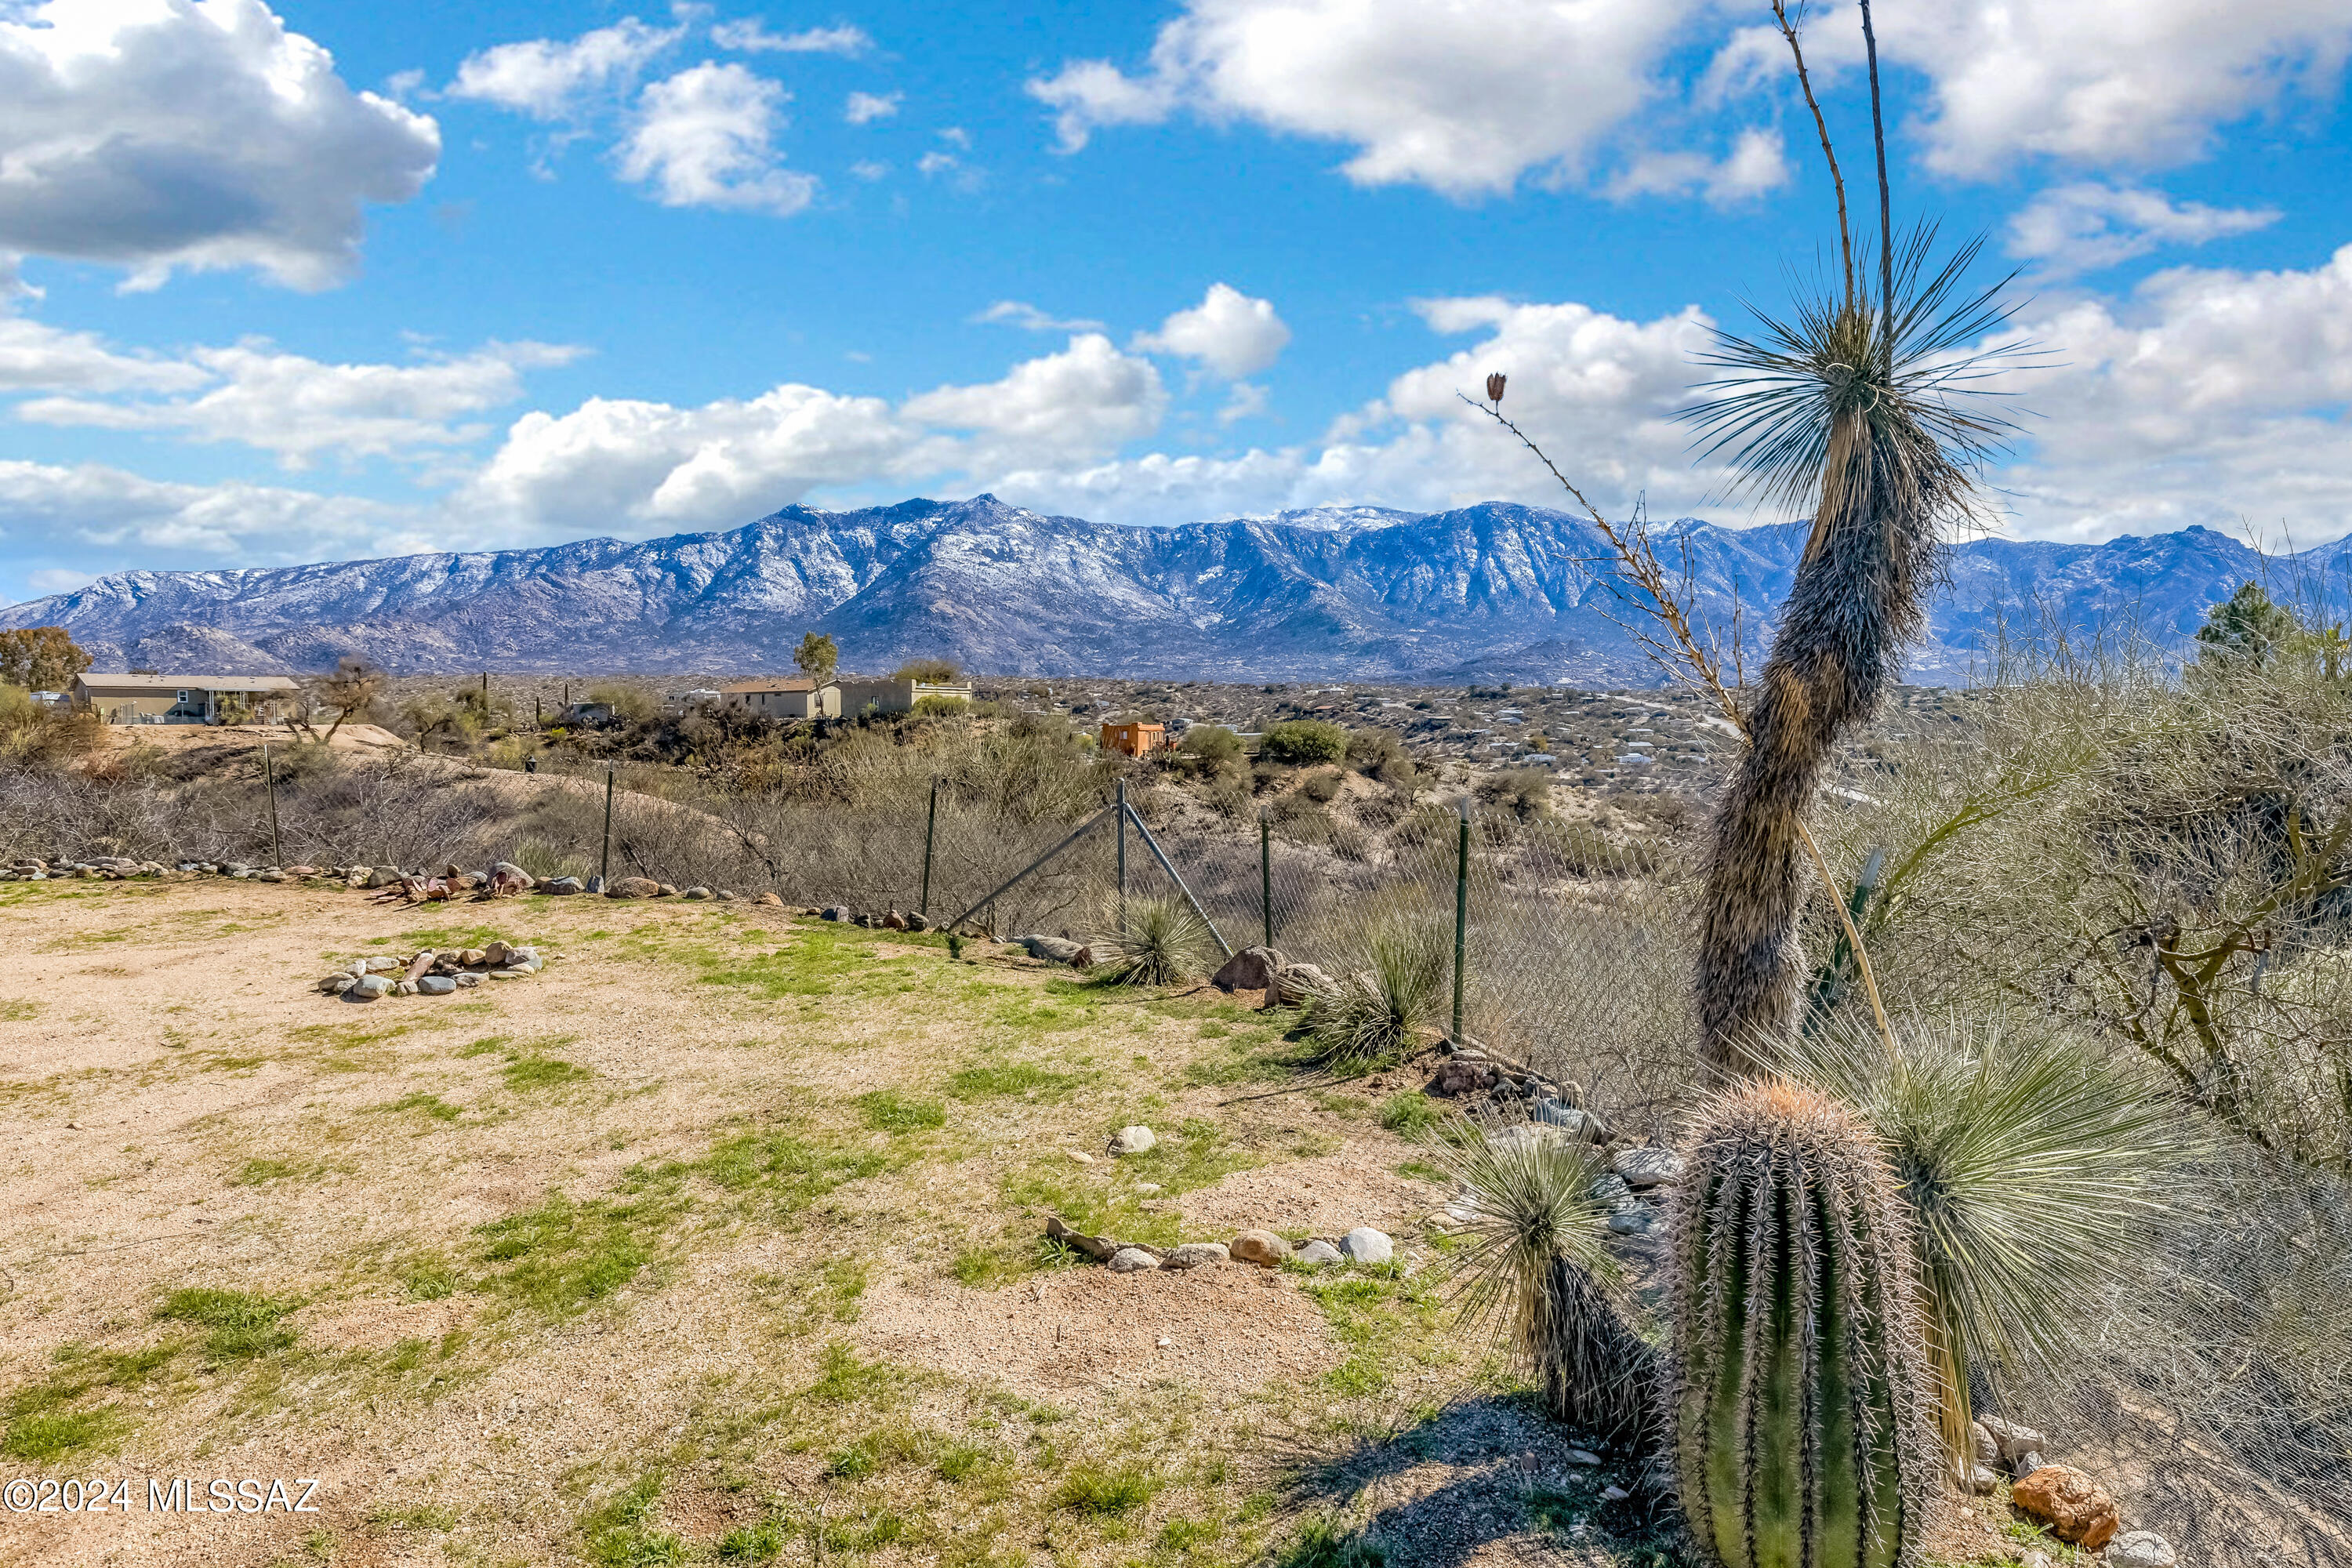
1799	1395
1150	941
1532	1268
2035	1173
1369	1018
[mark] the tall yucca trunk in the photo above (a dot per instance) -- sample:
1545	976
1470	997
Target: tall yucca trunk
1855	603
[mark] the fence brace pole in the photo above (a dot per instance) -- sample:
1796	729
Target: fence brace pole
930	831
605	866
1461	914
1088	826
1265	873
269	781
1168	866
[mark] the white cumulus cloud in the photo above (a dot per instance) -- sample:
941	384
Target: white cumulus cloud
1030	319
91	509
705	137
157	135
751	38
866	108
1462	98
548	79
2084	228
1229	332
299	408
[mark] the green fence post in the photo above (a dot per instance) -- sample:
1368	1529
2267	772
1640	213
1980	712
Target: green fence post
1122	855
1265	873
930	830
605	866
1461	915
269	782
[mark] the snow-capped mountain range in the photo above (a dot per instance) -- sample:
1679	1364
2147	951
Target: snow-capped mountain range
1492	591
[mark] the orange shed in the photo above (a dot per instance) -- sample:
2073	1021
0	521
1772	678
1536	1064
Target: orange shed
1134	740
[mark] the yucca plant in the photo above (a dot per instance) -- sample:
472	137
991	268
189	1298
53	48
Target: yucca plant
1800	1388
2033	1171
1149	941
1370	1016
1533	1271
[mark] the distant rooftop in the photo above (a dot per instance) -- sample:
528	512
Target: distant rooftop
95	680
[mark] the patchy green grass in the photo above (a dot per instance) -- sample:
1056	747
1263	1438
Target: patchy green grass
240	1325
563	1256
526	1073
792	1169
887	1110
620	1532
418	1100
1107	1489
1022	1078
40	1437
259	1172
1383	1319
13	1010
1409	1113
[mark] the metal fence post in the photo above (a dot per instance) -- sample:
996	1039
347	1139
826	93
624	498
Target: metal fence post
1461	915
269	782
1265	873
930	831
1122	855
605	866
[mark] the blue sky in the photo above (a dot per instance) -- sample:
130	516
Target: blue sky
339	279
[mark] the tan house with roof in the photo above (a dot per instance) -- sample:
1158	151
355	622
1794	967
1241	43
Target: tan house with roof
779	697
898	694
185	698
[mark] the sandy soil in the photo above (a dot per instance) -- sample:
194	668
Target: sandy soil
186	1113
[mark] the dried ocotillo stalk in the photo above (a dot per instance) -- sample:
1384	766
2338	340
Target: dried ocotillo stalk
1798	1385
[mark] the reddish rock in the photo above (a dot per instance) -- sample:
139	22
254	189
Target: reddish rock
633	888
1262	1247
2074	1508
1251	969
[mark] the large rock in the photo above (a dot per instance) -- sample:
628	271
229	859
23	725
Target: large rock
1262	1247
1648	1167
437	984
1133	1141
1365	1244
1052	949
633	888
2013	1441
1318	1254
1132	1261
1251	969
1296	982
1462	1075
561	887
2141	1548
367	987
1196	1254
508	869
2071	1505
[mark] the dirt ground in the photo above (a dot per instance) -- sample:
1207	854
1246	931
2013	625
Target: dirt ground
720	1238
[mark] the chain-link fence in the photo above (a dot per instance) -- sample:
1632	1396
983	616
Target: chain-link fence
2219	1404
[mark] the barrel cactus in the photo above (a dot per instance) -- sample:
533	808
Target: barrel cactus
1799	1390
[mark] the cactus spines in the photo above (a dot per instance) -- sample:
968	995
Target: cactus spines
1798	1391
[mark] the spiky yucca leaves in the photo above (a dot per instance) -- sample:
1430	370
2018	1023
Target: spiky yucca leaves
1150	941
1369	1016
2033	1169
1852	413
1799	1395
1533	1270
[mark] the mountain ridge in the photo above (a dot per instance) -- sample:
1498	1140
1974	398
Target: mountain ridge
1491	591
